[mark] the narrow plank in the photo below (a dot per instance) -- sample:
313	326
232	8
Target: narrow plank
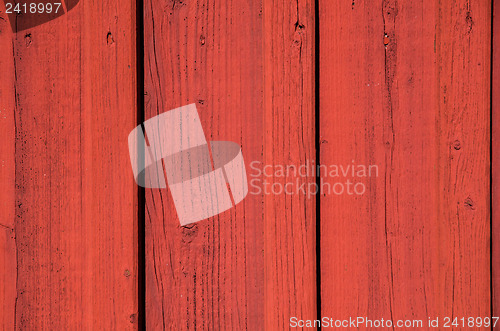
109	192
8	272
252	267
75	197
404	86
289	140
495	157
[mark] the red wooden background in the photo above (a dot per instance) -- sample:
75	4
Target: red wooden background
403	85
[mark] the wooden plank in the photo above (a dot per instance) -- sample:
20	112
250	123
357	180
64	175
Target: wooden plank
495	157
109	199
289	140
254	265
7	178
207	275
405	86
74	213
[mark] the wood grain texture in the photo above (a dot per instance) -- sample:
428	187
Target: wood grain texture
289	140
208	275
72	199
251	267
495	160
7	178
404	86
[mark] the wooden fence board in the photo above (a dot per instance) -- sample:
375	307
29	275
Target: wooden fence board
206	275
405	86
72	197
289	140
7	178
495	157
254	265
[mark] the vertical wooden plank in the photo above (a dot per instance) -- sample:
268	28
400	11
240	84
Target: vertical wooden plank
252	267
207	275
75	210
289	218
7	170
109	192
495	157
354	266
406	90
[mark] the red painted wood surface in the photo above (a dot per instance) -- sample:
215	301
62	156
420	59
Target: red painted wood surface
68	233
289	133
495	158
249	69
7	178
405	86
207	275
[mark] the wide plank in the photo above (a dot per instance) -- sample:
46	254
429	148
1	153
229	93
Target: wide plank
249	68
70	200
405	86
